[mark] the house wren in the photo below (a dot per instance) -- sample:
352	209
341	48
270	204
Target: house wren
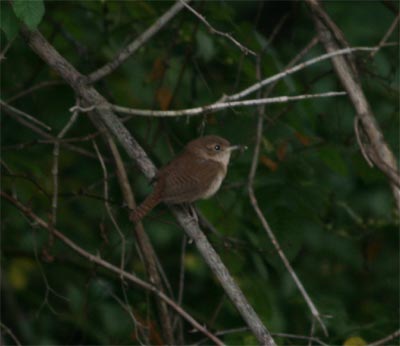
196	173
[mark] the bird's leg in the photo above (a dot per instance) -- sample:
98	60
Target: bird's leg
191	209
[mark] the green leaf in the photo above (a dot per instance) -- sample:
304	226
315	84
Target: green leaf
30	12
8	22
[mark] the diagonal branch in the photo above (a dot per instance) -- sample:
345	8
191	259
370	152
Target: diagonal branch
292	70
137	43
23	114
386	339
378	150
244	49
107	265
46	135
254	202
148	253
386	36
105	115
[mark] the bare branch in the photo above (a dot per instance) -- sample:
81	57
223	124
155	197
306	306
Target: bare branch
386	339
10	333
300	337
359	140
244	49
90	96
137	43
34	88
25	115
48	136
5	50
108	208
380	153
283	257
292	70
267	228
149	256
386	36
128	309
211	257
54	170
104	264
222	105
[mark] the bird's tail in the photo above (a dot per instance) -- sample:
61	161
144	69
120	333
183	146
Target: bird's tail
147	205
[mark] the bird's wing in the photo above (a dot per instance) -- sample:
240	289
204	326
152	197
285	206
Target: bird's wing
186	179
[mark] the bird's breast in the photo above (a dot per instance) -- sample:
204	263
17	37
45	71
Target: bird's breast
214	184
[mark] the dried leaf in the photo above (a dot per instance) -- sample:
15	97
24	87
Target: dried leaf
306	141
266	161
282	150
158	71
164	97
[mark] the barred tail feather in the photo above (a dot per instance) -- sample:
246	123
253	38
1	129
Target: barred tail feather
147	205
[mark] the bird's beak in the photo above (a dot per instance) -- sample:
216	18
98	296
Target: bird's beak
237	147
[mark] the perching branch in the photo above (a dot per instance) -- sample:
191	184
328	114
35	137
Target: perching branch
104	114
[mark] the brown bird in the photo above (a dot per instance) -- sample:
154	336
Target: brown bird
196	173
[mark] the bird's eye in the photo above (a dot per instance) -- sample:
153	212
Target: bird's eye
217	147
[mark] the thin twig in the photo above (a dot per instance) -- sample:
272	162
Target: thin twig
145	249
380	154
254	203
386	339
136	44
221	105
128	309
292	70
108	208
10	173
48	136
182	270
10	333
244	49
54	170
107	265
49	289
6	48
283	257
386	36
25	115
312	331
178	322
359	140
279	335
300	337
34	88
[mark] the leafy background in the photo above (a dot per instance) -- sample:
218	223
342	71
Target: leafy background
333	215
